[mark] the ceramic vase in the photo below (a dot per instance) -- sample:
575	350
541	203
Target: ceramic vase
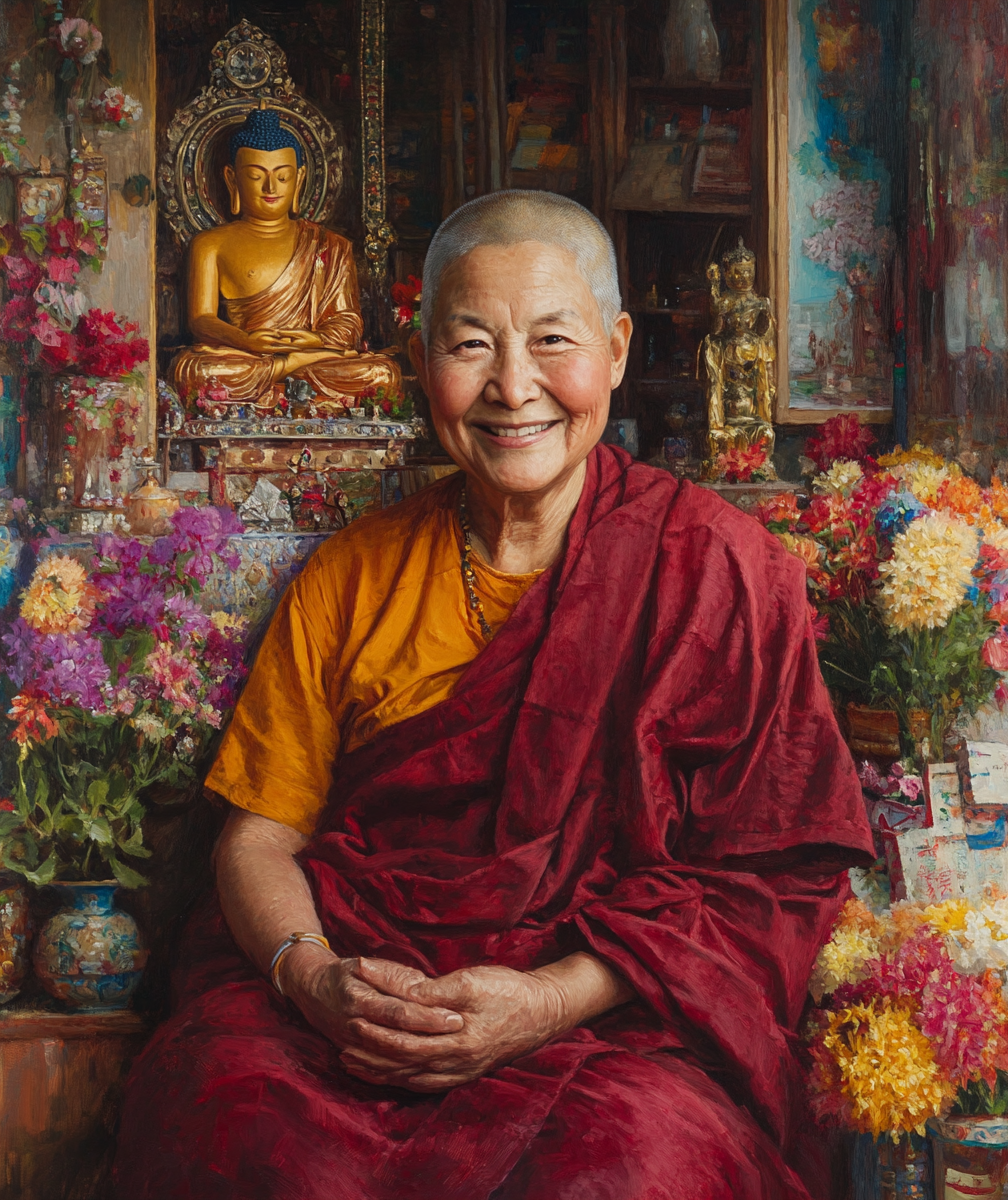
690	43
90	953
970	1157
15	933
905	1169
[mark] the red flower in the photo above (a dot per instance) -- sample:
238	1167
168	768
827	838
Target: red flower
841	437
782	509
6	804
63	269
16	322
106	348
740	465
21	273
995	652
407	293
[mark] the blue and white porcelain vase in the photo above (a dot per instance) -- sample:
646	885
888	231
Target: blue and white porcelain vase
90	953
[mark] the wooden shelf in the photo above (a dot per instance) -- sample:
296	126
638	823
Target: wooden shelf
30	1023
726	94
691	208
816	416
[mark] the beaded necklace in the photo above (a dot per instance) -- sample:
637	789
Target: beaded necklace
468	574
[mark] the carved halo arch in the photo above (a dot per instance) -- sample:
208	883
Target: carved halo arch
246	67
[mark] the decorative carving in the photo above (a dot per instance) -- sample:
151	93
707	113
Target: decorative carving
246	66
379	234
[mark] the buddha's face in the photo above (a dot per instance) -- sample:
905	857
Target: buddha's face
519	367
740	276
264	184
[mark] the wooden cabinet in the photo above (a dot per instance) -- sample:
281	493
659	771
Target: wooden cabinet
61	1078
680	175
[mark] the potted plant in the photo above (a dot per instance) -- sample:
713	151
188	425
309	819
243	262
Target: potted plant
121	683
910	1033
906	559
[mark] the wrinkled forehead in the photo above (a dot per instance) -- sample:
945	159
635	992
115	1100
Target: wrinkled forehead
523	275
265	160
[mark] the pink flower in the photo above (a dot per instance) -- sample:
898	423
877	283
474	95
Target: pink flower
995	652
79	39
175	675
63	269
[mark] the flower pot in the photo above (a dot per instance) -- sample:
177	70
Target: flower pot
905	1169
15	931
970	1157
90	953
873	732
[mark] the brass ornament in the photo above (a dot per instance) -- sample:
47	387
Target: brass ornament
739	355
378	233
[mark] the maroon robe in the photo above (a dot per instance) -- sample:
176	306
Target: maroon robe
643	764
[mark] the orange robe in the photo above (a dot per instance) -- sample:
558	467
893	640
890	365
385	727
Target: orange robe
376	629
317	290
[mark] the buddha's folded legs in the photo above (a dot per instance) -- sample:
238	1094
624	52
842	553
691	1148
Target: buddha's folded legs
250	377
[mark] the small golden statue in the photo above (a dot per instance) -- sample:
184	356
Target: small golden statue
739	357
285	287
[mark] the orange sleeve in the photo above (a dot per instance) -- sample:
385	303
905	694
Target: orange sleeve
278	753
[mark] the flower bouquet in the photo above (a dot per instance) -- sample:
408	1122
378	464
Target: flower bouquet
911	1022
906	559
120	682
406	297
749	464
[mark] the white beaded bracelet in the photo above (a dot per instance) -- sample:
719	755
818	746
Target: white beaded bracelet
285	945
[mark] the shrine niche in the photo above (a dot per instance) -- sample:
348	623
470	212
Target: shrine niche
250	171
246	67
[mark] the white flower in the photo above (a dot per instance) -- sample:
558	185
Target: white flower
983	944
929	573
842	477
150	727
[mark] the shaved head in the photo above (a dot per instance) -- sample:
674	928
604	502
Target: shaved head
504	218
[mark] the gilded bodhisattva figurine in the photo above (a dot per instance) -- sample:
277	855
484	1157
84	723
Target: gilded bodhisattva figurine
739	356
272	295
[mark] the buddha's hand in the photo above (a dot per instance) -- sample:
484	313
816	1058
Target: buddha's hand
267	341
301	339
506	1014
343	997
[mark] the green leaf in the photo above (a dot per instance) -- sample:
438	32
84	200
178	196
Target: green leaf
99	830
40	877
97	792
134	846
126	875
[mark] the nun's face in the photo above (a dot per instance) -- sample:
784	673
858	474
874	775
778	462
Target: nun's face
266	182
520	367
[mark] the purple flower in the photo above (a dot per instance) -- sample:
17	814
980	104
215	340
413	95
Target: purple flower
76	672
203	533
22	643
161	552
191	620
127	552
131	602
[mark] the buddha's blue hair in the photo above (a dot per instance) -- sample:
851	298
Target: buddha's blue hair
262	131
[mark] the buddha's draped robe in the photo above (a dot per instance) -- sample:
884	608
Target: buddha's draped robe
317	291
643	764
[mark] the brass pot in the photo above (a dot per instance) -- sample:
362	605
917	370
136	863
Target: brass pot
873	732
150	508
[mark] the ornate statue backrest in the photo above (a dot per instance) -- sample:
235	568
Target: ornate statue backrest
246	66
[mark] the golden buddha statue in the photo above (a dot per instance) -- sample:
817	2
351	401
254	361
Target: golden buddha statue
287	288
739	356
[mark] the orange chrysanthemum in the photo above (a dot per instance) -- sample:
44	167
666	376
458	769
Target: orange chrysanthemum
59	598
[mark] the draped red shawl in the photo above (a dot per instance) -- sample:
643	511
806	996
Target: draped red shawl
643	764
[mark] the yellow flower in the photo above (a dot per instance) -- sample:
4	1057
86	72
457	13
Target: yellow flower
842	477
949	916
917	454
230	623
924	479
805	548
59	598
885	1068
929	573
842	960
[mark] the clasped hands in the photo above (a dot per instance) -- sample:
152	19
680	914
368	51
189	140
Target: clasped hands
284	341
400	1028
